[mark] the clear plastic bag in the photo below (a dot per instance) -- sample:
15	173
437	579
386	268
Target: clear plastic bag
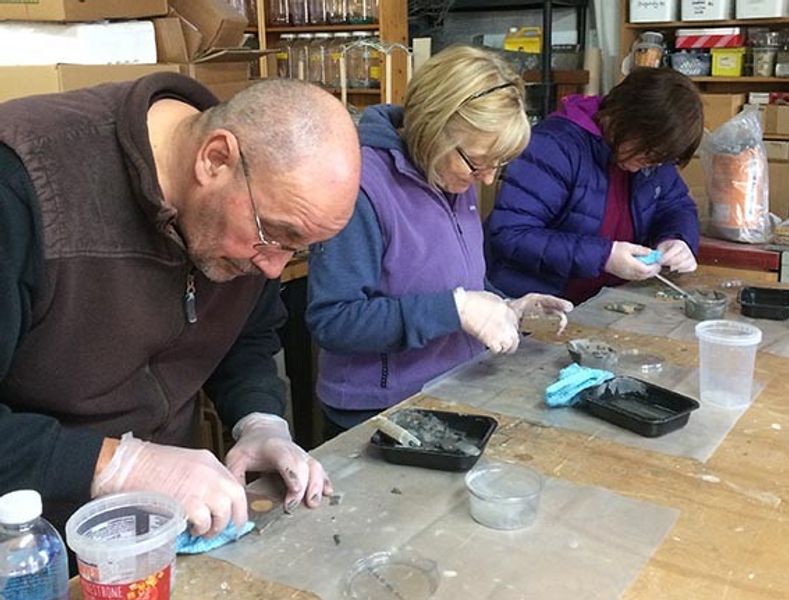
736	171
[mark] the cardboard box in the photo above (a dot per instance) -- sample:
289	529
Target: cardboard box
36	43
779	188
777	151
224	79
776	120
220	25
719	108
79	10
17	82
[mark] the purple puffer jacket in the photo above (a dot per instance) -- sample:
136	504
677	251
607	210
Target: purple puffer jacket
543	230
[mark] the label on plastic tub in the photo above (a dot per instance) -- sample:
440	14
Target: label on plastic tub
153	587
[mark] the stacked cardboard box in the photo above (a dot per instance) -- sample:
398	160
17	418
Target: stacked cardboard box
18	81
203	37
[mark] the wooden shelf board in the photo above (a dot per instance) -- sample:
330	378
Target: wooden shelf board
357	91
724	23
318	28
776	137
560	77
710	79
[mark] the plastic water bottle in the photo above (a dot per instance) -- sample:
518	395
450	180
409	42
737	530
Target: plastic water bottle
33	563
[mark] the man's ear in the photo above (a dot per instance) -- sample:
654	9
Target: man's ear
217	156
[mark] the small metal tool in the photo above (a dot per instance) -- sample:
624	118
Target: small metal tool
672	285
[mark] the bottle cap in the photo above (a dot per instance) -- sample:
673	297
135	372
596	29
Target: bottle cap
20	507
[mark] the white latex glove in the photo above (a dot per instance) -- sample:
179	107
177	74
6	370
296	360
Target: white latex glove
208	492
623	263
489	319
538	305
264	444
677	256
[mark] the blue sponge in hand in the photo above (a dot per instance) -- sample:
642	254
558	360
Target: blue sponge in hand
186	543
652	258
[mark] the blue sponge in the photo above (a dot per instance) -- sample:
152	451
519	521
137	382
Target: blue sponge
186	543
572	380
651	258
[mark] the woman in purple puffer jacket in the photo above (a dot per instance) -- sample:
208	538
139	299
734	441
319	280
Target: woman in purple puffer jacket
598	186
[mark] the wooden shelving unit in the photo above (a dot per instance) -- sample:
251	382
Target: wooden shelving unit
629	32
392	27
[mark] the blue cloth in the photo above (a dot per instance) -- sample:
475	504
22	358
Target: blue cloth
187	543
543	230
652	258
572	380
380	302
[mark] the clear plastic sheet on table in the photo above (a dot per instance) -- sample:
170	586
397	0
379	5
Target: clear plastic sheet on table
666	317
586	542
515	385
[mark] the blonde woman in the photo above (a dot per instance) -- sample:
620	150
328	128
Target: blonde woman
398	297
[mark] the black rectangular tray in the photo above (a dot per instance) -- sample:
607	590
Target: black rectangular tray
476	430
764	303
637	405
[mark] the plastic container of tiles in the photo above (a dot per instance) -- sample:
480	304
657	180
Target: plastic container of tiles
764	303
727	355
504	495
692	64
125	545
637	405
456	448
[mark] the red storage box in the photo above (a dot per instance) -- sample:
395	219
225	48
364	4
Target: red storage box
717	37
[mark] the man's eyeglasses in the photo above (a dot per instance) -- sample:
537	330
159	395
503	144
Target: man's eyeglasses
476	169
265	242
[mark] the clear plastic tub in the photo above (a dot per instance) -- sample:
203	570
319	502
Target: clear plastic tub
125	545
727	354
692	64
504	495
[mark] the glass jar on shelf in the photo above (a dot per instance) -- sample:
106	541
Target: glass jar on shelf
362	11
336	11
278	12
317	11
340	40
283	54
299	12
364	62
319	58
782	62
300	56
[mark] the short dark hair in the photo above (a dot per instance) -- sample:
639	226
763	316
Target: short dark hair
658	112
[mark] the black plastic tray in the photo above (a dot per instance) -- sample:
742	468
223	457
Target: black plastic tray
764	303
477	430
639	406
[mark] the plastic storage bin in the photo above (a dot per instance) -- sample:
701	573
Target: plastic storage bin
125	545
692	64
764	303
727	355
760	9
453	441
707	10
658	11
727	62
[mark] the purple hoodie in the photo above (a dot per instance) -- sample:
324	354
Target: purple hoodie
544	228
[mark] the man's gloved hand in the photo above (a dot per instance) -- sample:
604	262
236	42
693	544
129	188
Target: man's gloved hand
208	492
622	262
677	256
489	319
264	444
538	305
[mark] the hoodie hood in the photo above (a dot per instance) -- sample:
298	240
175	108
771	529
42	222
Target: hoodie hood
581	111
378	128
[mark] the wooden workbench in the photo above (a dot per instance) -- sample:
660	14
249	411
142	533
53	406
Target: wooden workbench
731	539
